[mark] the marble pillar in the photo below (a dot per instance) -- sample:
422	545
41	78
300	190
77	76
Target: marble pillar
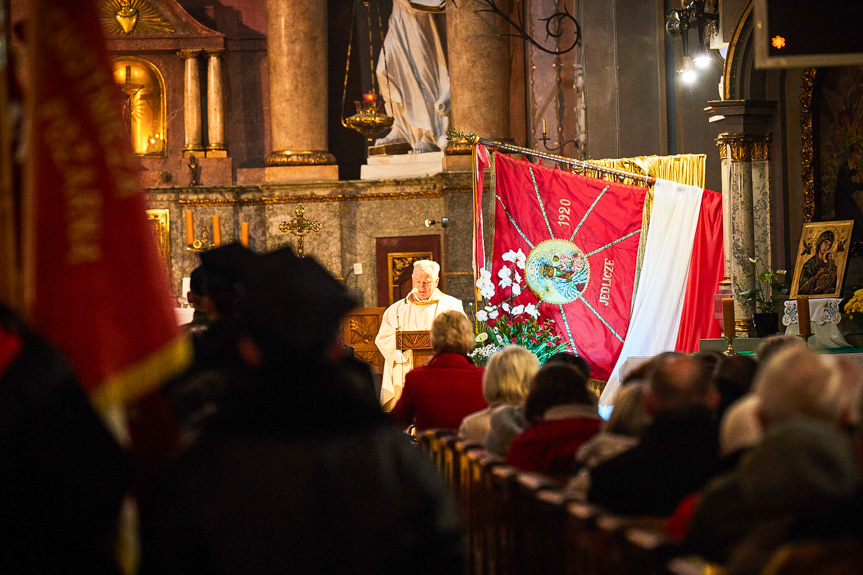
297	63
478	50
742	232
192	103
215	106
761	204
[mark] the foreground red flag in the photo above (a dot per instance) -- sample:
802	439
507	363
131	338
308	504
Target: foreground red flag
95	287
581	238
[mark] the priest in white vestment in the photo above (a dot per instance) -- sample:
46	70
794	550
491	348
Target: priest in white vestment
413	313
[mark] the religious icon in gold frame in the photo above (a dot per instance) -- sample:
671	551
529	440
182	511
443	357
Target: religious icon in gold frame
821	259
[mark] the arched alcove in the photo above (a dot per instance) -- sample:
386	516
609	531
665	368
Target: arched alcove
143	90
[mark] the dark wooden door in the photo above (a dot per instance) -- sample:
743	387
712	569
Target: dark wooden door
395	259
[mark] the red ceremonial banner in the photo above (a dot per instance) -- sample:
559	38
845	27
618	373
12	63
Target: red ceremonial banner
96	289
581	238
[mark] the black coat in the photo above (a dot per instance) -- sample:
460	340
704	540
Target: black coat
676	456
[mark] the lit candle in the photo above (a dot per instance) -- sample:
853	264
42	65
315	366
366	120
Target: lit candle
217	232
370	97
244	234
543	126
728	316
803	319
190	228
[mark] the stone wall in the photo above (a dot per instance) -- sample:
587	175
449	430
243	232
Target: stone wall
353	214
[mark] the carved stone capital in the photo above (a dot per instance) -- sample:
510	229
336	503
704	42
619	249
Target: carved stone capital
723	148
300	158
215	52
760	147
739	145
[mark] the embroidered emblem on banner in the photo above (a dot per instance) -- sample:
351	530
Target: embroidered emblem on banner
557	271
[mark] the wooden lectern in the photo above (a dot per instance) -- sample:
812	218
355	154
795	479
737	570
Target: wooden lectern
417	341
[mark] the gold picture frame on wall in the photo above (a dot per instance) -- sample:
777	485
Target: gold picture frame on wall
160	228
821	259
831	122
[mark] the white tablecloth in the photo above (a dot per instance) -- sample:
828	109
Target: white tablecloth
824	314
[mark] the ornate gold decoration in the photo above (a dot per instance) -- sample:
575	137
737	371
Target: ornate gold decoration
143	89
723	148
269	200
300	158
807	152
369	119
460	144
458	273
123	17
761	147
300	227
362	330
740	147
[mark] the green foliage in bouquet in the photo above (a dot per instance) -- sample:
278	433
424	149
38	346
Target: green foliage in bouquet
506	323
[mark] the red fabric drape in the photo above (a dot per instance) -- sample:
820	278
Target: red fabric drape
705	273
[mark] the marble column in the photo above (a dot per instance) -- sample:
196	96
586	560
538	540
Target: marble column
761	204
742	236
215	106
192	103
297	63
479	56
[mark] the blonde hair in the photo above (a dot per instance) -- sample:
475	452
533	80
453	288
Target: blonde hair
452	332
508	375
427	266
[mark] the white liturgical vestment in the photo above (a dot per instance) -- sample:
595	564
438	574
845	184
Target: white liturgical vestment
406	315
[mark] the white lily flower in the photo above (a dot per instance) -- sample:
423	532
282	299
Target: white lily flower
520	259
487	292
517	278
509	256
481	316
493	314
505	307
484	273
531	310
516	290
518	310
504	272
505	282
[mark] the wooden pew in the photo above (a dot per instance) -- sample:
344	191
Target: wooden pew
520	523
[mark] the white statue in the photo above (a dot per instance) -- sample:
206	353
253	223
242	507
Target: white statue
418	92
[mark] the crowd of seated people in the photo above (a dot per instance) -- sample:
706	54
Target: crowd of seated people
741	455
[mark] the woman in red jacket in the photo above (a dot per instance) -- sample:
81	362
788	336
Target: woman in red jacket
563	414
439	394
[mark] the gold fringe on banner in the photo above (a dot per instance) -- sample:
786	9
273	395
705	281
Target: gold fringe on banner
683	168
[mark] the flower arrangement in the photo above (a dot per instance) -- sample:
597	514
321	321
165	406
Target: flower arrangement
855	306
767	287
505	323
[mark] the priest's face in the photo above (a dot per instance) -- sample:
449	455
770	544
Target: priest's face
424	283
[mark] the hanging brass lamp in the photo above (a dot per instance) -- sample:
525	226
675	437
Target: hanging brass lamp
371	117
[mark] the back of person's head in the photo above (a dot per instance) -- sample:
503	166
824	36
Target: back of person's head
740	427
571	359
798	383
630	416
734	376
556	384
776	343
508	375
679	380
451	332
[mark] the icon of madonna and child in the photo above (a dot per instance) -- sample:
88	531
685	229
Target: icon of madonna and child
821	263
